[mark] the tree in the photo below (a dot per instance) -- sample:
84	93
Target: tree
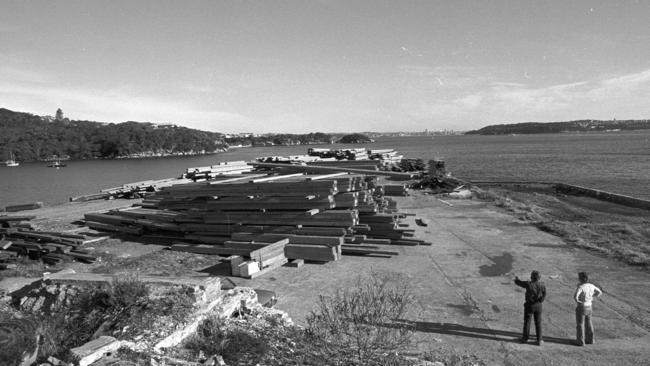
59	115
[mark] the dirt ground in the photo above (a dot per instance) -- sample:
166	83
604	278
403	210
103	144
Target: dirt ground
466	301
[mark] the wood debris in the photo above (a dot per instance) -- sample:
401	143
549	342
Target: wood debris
18	238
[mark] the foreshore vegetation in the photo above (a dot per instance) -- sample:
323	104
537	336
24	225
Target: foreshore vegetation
31	138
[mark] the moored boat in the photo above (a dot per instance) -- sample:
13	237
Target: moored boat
56	164
12	161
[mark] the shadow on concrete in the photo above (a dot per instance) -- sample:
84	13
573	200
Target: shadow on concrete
219	269
483	333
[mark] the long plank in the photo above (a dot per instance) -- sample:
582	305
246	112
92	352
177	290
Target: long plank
208	249
274	178
312	168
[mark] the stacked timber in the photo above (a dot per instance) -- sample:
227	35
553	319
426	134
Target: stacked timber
395	190
213	171
20	239
23	207
387	156
356	164
261	222
290	159
339	154
131	190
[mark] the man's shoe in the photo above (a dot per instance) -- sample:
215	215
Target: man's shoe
523	340
578	343
539	343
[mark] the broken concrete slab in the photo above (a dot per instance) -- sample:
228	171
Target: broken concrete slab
96	349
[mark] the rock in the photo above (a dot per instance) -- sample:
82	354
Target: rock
55	361
225	306
96	349
215	360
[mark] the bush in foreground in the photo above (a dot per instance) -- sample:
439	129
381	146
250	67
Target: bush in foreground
358	324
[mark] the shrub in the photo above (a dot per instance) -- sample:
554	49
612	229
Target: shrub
221	337
358	324
92	312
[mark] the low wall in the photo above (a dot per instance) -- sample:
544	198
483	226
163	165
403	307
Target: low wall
578	191
602	195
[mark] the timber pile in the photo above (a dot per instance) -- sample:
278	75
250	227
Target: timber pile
130	190
395	190
262	222
213	171
24	207
388	156
357	164
20	239
291	159
339	154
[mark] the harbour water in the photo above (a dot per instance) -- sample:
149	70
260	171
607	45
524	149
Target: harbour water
618	162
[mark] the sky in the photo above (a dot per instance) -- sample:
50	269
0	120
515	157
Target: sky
329	65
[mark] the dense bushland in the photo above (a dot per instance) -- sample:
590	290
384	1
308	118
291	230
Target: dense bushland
29	138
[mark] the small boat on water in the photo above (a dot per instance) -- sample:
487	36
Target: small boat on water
56	164
12	161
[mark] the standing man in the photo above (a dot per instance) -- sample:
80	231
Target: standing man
535	295
583	297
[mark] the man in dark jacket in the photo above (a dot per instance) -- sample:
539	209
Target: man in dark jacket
535	295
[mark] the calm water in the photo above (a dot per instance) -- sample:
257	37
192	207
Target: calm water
616	161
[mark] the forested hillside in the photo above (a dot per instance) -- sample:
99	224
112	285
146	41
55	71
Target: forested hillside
282	139
30	137
556	127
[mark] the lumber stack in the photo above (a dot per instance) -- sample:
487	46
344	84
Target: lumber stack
20	239
214	171
387	156
357	164
130	190
395	190
339	154
23	207
261	222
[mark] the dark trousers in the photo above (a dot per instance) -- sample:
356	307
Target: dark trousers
533	310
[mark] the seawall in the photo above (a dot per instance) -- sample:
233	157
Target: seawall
571	189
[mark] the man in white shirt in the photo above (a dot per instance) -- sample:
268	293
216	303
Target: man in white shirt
584	296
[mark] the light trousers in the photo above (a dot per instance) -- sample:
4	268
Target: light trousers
584	327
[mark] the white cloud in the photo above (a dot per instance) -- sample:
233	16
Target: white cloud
491	100
110	106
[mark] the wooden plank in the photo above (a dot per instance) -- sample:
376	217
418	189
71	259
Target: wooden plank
268	269
230	180
108	227
311	168
7	218
311	252
208	249
279	256
328	176
302	239
274	178
248	268
24	207
296	263
362	251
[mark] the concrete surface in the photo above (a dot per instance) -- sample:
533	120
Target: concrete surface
465	296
